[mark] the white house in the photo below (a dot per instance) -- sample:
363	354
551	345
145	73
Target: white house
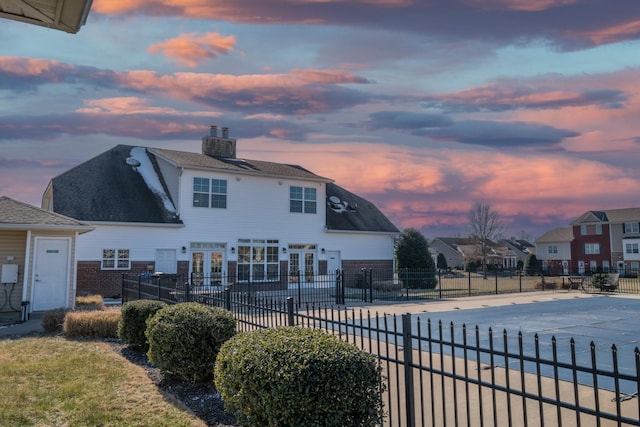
223	218
553	250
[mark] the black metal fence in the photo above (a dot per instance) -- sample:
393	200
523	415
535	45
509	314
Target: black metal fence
441	375
450	375
344	286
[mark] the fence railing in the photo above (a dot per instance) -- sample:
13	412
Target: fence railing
440	375
345	286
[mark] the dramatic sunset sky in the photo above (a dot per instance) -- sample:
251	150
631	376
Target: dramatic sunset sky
424	107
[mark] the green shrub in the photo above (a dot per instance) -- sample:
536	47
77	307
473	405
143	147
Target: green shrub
53	320
90	302
133	322
184	339
293	376
92	324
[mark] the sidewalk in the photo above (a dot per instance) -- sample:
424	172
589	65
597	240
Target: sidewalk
17	330
475	302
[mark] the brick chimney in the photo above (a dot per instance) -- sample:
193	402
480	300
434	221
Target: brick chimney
216	146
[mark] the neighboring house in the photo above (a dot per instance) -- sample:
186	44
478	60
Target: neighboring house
222	218
553	251
459	250
37	258
521	248
605	240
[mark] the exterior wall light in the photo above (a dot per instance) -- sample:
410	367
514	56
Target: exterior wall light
284	250
233	250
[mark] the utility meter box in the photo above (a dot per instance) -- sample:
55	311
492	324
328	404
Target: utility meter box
9	273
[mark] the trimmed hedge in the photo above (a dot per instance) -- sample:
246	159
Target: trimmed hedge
133	322
293	376
92	324
184	339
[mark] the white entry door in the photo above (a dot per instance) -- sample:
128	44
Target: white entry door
302	268
50	274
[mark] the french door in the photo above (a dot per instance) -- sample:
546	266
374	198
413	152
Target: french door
302	269
207	267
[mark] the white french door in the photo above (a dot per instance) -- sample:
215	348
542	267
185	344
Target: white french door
208	267
302	267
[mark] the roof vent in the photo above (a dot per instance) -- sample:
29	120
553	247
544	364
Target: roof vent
340	206
132	162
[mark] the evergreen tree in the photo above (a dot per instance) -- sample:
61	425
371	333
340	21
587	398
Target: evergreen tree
414	260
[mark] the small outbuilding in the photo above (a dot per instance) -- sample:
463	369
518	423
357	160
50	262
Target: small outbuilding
37	259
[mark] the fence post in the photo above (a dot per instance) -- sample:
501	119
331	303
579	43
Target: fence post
370	285
187	288
227	298
439	284
139	286
290	318
339	293
300	286
520	278
469	276
122	301
496	281
408	370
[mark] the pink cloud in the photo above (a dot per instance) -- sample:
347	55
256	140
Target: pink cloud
616	33
193	49
522	5
132	105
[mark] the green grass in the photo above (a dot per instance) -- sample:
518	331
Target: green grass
52	381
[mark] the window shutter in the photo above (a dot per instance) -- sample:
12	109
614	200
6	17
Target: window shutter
623	228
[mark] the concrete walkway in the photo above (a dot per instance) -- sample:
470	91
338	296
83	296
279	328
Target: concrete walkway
17	330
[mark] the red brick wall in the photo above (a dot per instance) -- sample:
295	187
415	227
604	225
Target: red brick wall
577	247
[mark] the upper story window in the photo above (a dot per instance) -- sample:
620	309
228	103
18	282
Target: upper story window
302	199
115	259
598	228
631	248
552	249
583	229
209	193
631	227
592	248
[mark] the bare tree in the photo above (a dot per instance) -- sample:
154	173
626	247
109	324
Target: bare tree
485	225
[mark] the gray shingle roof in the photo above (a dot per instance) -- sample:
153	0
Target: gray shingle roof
107	189
17	215
353	213
561	234
613	216
242	166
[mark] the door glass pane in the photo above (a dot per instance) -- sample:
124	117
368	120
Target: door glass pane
294	265
216	268
197	267
308	267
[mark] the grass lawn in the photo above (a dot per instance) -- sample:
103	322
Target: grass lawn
53	381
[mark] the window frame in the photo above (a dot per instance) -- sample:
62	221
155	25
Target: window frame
592	249
552	249
216	191
631	248
303	199
631	227
118	260
258	260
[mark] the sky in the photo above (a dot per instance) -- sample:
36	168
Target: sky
424	107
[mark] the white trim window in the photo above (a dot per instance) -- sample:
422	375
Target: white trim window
258	260
552	249
631	248
209	193
303	199
592	248
115	259
631	227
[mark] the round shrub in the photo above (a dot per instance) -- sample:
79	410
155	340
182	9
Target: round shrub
133	322
292	376
184	339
